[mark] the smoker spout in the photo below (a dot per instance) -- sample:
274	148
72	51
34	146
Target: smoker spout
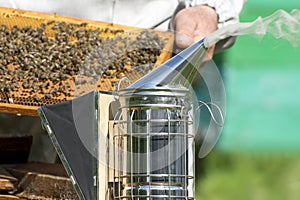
179	71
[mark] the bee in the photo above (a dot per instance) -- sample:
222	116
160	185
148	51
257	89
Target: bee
36	98
83	24
48	96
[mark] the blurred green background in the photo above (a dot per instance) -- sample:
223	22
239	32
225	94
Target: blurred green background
258	154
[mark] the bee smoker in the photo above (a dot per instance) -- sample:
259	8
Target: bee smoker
153	132
155	146
146	130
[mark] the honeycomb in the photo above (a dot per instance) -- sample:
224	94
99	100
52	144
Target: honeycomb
47	59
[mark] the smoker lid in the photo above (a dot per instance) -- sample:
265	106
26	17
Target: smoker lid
154	90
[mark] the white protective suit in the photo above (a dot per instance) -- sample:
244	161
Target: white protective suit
138	13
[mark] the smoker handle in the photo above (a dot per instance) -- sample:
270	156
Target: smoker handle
116	93
207	105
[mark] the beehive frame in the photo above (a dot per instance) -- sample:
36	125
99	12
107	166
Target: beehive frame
28	102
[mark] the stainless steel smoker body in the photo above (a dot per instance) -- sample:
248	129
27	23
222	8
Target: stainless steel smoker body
154	145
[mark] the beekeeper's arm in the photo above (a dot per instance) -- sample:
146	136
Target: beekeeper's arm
201	17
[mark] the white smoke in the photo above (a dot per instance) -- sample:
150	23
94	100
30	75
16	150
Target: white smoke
281	24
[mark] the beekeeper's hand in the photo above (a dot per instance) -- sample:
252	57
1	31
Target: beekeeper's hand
194	23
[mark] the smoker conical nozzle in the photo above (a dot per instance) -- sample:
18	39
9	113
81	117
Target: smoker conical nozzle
179	71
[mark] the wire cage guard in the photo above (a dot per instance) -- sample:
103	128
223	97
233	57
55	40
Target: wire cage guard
154	146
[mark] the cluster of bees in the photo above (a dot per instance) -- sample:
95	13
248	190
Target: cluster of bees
49	63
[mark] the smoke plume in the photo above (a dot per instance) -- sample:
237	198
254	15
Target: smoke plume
281	25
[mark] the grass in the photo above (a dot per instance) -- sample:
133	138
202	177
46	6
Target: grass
248	176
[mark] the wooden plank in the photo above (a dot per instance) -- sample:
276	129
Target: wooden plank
20	170
105	101
8	183
18	109
8	197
